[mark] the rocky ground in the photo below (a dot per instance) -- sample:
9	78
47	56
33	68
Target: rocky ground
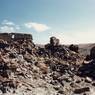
27	69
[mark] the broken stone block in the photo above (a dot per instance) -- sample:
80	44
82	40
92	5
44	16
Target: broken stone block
54	41
28	57
42	67
87	79
81	90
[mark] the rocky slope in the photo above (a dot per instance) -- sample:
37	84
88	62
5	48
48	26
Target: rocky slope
27	69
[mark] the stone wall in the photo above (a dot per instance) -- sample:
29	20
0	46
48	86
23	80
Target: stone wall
15	36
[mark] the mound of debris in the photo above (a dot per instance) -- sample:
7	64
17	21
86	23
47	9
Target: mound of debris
27	69
54	49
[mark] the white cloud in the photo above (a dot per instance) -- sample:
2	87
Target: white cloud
77	33
9	23
7	29
37	26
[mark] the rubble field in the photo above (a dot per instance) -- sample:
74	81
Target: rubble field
54	69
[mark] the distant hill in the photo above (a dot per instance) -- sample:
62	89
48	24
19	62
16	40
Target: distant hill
85	48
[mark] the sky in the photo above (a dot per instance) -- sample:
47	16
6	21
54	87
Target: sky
72	21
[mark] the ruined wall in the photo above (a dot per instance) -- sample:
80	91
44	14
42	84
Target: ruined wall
15	36
5	36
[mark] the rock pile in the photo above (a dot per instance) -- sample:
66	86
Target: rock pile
26	69
54	41
13	55
54	49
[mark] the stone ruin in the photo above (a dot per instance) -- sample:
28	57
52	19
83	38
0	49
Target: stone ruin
15	36
53	65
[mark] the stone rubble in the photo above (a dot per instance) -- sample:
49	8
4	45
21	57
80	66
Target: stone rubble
27	69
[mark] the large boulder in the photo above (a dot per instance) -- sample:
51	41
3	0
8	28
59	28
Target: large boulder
54	41
56	50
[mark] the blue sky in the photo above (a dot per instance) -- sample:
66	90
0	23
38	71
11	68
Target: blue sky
72	21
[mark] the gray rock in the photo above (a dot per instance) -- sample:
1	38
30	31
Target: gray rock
81	90
54	41
88	79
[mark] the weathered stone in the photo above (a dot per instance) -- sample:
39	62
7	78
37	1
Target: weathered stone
87	79
42	67
68	79
28	57
15	36
54	82
61	91
81	90
54	41
57	87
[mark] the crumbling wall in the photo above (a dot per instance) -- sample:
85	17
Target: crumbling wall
5	36
15	36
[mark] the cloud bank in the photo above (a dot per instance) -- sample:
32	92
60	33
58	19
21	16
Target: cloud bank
8	27
75	35
37	26
9	23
